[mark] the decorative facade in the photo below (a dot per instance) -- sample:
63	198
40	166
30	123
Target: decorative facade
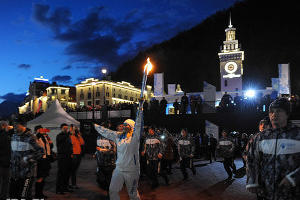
95	92
231	62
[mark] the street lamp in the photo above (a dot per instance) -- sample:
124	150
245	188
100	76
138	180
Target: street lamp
93	100
104	71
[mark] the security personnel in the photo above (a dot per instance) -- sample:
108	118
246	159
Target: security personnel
153	149
186	149
226	149
64	160
106	161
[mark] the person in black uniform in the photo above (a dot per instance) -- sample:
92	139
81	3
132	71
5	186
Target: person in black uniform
153	151
186	149
64	160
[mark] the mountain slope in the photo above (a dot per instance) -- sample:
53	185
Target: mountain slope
267	30
7	108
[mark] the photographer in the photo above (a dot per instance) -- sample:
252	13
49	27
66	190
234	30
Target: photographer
43	164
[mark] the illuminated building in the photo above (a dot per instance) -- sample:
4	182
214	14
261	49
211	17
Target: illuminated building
64	94
93	90
41	93
38	87
231	62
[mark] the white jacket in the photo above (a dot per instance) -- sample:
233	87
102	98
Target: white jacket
127	148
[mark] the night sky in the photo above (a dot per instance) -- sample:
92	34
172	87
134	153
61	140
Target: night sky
69	40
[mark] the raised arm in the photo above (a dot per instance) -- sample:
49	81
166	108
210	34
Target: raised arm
107	133
139	124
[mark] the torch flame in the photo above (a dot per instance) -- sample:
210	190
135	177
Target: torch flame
148	66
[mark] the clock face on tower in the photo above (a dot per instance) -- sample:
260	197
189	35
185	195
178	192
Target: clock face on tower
231	70
231	67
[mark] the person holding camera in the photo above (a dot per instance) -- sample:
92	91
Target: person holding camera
77	144
43	164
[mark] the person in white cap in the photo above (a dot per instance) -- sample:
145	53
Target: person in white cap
127	165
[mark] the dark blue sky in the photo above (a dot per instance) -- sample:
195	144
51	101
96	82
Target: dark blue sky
68	40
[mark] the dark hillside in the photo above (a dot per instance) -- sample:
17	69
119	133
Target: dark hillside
267	30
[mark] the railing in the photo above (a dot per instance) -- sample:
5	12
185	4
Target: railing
100	115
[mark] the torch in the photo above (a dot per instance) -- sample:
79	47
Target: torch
147	69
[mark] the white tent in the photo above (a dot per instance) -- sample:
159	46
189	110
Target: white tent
52	119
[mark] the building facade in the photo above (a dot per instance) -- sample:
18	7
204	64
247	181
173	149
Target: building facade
95	92
231	62
41	93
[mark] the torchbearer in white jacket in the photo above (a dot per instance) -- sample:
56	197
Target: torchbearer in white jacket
127	165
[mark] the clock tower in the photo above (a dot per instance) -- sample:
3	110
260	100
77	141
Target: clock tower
231	62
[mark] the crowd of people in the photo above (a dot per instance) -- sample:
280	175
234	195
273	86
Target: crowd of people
270	157
26	157
132	150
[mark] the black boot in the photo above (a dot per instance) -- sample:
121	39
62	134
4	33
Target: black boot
38	190
42	190
167	180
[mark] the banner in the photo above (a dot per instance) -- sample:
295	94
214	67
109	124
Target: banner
158	84
284	79
209	94
171	89
211	128
275	84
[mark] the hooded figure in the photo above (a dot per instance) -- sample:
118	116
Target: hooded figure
127	165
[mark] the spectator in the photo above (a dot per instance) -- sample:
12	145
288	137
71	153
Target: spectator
212	144
43	164
243	144
193	104
184	103
163	106
176	106
5	151
77	143
145	108
64	160
24	155
199	105
168	155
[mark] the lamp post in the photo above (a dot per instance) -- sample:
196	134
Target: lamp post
104	71
93	100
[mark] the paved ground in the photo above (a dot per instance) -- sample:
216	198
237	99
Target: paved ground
207	184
